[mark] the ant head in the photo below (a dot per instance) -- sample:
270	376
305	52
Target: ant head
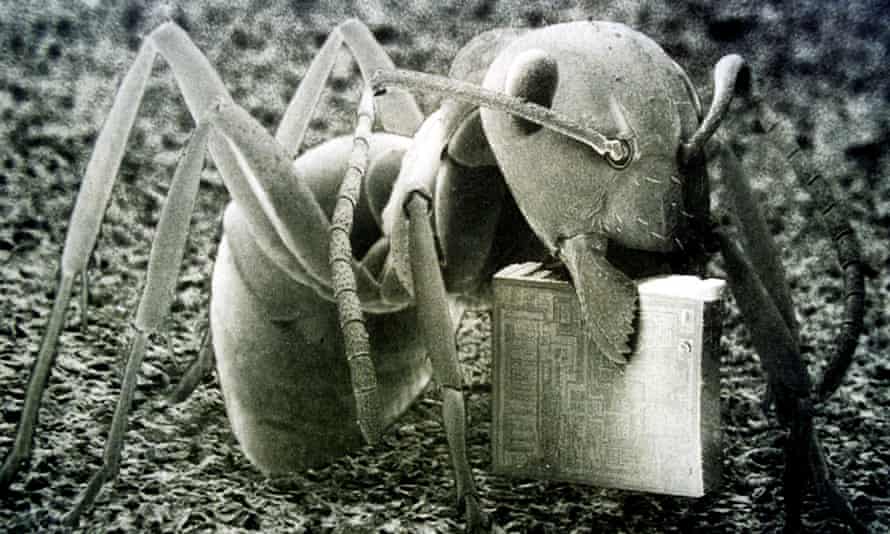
617	81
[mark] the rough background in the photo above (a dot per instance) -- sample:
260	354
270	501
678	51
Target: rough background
821	64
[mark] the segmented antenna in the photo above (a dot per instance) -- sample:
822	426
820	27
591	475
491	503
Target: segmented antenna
352	319
617	152
836	220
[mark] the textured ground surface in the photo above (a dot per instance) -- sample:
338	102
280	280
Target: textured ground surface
182	470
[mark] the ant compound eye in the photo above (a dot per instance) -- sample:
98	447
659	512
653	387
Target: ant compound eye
533	76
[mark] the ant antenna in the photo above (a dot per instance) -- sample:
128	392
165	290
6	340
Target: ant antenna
617	152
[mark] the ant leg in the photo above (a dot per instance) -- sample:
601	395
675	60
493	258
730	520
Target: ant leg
352	320
266	192
759	243
782	136
435	322
166	255
84	228
281	211
780	357
199	368
397	110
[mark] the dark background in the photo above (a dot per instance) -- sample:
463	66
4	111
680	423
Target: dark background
820	64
